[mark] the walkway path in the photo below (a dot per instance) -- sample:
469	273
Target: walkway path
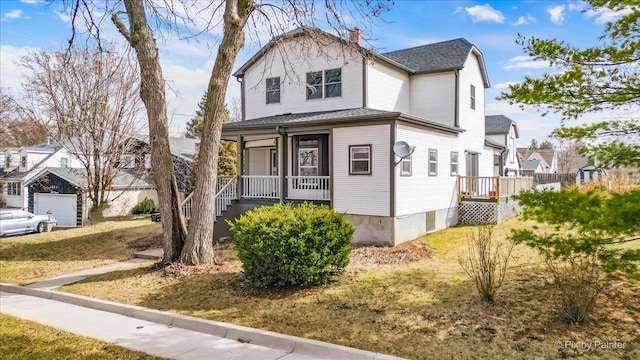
156	332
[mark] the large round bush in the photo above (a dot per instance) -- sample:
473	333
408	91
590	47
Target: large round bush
287	245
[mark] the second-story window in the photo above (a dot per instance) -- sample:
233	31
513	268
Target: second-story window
64	162
324	84
23	161
473	97
273	90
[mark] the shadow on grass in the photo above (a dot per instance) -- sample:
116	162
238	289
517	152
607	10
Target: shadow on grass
107	244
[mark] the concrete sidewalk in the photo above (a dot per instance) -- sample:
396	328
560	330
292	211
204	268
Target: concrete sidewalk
162	333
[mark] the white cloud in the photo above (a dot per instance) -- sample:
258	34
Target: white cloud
556	13
458	10
30	1
13	14
525	62
505	85
485	13
579	6
604	16
522	20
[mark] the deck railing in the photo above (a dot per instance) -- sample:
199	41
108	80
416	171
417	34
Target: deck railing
260	186
492	187
309	188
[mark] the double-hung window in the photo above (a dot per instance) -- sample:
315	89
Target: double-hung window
23	161
359	159
433	162
64	162
473	97
324	84
13	188
405	166
273	90
454	163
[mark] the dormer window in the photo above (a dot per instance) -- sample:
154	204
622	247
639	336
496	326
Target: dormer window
273	90
324	84
23	161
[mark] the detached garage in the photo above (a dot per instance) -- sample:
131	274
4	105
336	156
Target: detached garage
58	191
62	192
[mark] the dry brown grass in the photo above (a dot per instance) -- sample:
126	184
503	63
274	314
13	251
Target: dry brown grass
23	340
421	309
31	258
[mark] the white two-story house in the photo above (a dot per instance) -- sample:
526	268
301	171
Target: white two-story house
321	116
504	131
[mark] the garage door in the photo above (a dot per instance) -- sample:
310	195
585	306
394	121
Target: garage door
63	206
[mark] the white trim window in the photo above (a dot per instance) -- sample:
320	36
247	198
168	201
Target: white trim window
273	90
64	162
454	163
324	84
433	162
359	159
14	188
308	161
472	91
405	166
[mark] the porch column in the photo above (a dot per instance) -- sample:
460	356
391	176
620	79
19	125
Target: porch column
282	148
239	166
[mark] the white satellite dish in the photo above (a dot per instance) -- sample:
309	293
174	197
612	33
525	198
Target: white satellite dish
402	149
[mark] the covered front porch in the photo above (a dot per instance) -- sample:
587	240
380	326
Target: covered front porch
285	167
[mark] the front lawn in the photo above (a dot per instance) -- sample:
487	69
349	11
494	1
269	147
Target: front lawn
24	340
407	301
30	258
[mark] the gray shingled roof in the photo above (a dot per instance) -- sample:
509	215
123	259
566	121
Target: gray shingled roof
310	117
333	117
446	55
497	124
530	165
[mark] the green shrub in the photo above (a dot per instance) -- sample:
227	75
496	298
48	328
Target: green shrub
145	206
287	245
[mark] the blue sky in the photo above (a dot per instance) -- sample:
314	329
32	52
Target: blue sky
491	25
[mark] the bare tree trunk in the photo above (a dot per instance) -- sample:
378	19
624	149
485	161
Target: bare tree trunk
152	92
199	245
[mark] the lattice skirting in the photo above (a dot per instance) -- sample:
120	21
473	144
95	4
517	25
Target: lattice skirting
480	213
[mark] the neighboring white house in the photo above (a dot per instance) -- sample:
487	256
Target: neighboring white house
548	159
321	117
504	131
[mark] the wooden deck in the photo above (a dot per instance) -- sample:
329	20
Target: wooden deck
491	188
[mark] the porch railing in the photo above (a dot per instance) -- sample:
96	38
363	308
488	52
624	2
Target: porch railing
226	191
309	188
492	187
260	186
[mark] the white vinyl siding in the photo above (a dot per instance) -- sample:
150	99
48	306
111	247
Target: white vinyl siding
421	192
388	88
293	95
362	195
433	97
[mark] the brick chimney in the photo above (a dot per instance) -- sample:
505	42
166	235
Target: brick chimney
355	35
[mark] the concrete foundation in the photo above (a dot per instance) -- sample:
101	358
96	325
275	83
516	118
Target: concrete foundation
372	230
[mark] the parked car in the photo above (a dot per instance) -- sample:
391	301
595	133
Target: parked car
13	222
155	215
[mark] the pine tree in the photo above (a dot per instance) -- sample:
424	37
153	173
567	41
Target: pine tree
227	151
